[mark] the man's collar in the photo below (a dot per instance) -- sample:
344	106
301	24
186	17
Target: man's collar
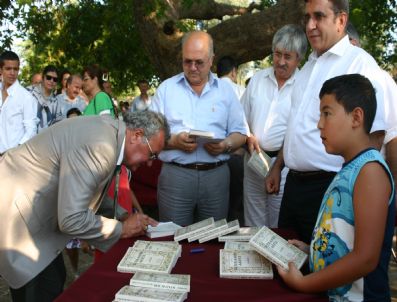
338	49
12	88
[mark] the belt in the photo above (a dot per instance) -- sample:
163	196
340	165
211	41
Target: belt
199	166
271	153
307	175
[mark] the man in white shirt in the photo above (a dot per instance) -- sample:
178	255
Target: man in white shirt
267	103
142	102
311	168
194	181
17	107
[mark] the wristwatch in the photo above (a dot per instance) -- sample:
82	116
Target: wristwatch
229	147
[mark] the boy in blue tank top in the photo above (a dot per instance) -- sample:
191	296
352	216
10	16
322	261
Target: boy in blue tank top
351	241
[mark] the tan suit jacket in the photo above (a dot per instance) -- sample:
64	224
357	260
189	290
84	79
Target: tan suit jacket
51	187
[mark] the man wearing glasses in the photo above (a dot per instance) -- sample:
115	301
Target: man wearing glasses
52	187
17	107
44	93
194	180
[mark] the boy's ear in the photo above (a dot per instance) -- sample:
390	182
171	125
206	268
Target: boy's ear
357	117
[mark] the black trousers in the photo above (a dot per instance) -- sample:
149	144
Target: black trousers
301	202
45	287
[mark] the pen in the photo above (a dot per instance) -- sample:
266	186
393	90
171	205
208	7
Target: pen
197	250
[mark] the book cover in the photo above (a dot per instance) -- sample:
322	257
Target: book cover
277	249
244	265
163	229
219	225
260	163
144	294
232	226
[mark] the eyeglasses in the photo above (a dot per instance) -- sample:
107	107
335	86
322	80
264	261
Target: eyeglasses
49	78
199	64
152	155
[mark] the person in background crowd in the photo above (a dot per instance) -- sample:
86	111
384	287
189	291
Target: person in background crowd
36	79
64	78
70	98
267	103
73	112
100	101
142	102
18	109
44	93
194	180
226	69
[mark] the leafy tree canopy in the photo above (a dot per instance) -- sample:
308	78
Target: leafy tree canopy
141	39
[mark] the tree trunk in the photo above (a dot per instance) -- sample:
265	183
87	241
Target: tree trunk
245	37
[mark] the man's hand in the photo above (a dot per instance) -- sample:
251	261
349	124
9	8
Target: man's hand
215	148
272	181
136	224
253	144
182	141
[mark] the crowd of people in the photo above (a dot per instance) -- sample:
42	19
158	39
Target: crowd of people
330	130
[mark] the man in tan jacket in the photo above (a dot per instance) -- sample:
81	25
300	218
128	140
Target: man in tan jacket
52	187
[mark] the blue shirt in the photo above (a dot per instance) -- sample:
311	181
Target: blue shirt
216	110
333	235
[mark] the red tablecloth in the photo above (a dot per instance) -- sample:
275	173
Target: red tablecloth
101	281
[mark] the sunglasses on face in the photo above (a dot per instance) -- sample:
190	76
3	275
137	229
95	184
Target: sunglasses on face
49	78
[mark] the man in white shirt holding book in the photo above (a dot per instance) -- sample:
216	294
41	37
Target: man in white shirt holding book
267	103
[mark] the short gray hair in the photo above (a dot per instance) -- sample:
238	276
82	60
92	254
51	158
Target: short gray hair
291	37
151	122
210	42
70	79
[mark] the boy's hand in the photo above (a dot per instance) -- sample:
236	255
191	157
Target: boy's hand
293	277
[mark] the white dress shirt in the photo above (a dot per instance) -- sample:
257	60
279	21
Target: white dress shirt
18	121
217	110
303	149
238	89
267	108
138	104
390	89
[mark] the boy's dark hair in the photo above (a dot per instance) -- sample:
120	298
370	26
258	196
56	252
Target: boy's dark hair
352	91
73	111
9	56
225	65
143	81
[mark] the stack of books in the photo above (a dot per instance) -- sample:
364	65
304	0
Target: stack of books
162	229
206	230
155	287
150	256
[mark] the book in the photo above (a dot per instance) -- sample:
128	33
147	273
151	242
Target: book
145	294
243	234
238	246
175	282
219	225
193	229
147	260
277	249
260	163
244	265
162	229
232	226
204	136
161	246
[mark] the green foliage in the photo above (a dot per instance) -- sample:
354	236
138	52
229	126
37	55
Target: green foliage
75	33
